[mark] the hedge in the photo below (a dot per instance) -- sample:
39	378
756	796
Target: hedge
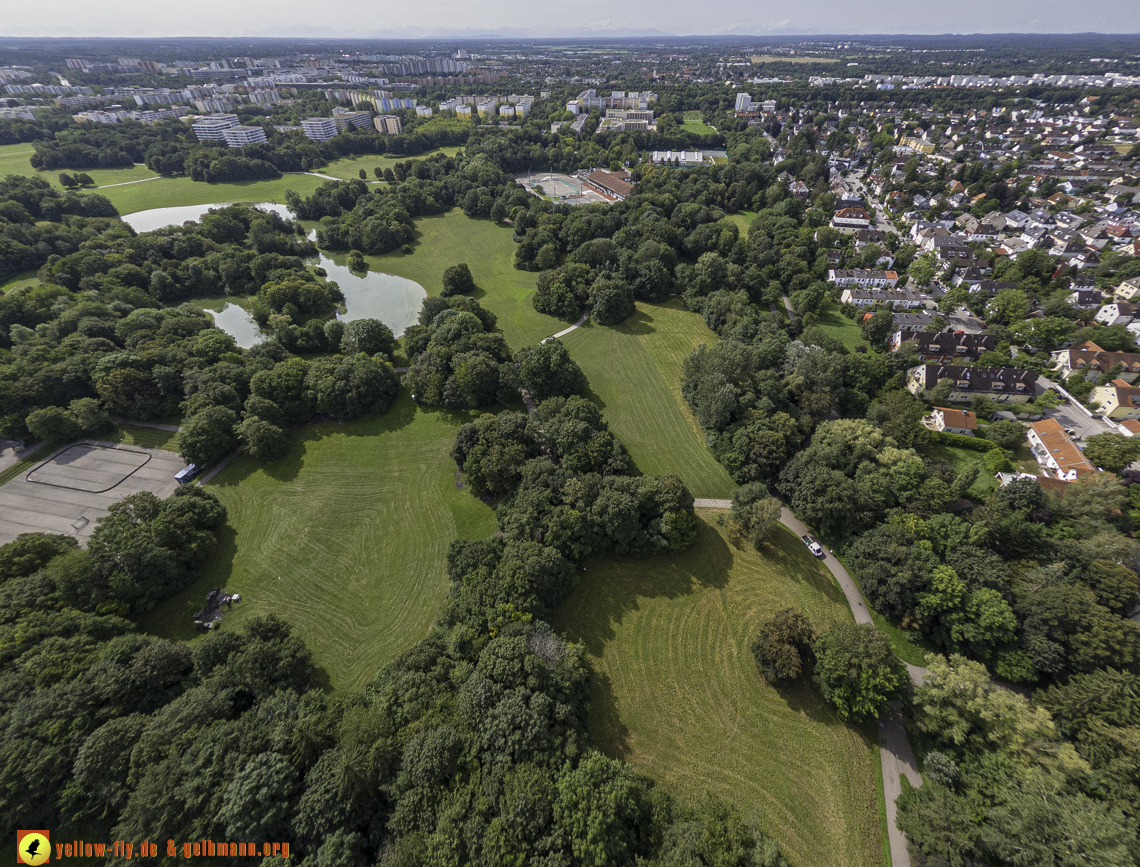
958	440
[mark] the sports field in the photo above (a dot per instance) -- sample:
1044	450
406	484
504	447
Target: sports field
345	538
489	252
634	371
677	693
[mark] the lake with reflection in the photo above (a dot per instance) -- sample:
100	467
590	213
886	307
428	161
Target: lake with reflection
392	299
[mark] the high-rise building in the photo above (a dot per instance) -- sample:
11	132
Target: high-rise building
240	136
212	127
743	102
319	128
343	118
389	124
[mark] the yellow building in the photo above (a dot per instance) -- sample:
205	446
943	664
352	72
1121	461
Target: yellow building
918	144
1117	400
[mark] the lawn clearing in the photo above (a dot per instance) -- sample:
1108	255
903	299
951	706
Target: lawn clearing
173	192
27	278
16	160
139	435
345	538
489	252
842	329
349	168
677	693
694	123
634	371
960	458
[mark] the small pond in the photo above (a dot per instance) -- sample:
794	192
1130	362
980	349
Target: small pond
393	300
160	218
236	322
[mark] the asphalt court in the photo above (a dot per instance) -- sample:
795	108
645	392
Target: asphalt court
74	487
88	467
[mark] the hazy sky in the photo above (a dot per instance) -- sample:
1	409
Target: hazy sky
539	18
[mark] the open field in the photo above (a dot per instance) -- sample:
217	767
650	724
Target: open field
743	220
345	538
349	167
71	488
147	437
677	693
635	377
171	192
489	252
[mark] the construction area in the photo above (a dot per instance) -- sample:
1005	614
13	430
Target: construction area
78	484
561	188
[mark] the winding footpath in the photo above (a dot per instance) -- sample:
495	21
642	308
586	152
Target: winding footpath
895	755
565	331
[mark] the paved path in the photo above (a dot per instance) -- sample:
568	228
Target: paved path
565	331
315	175
127	183
222	464
895	755
173	428
788	307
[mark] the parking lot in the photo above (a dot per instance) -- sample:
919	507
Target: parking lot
76	485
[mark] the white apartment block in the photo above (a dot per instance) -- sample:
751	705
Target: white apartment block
319	128
240	136
211	128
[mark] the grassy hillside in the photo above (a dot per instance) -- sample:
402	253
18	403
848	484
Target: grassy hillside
489	252
635	376
677	693
345	538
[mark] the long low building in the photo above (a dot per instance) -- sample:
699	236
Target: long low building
864	279
1012	383
944	346
612	185
871	297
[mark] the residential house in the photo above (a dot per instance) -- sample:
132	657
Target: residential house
1117	400
1056	453
1092	358
955	421
1116	313
912	321
1086	299
944	346
1003	383
850	220
1128	290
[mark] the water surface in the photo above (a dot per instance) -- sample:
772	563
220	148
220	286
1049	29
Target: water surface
160	218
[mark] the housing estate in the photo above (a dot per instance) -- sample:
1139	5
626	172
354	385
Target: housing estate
862	278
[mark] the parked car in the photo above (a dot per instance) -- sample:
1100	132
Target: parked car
813	546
